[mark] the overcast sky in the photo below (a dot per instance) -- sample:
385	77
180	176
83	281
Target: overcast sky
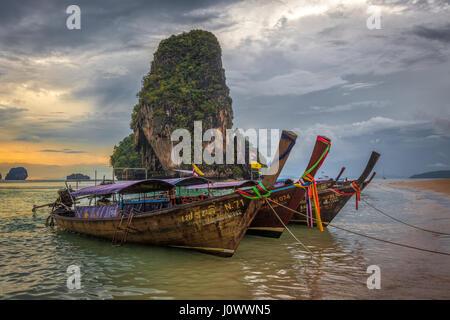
309	66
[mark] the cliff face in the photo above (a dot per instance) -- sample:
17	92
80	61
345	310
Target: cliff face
186	83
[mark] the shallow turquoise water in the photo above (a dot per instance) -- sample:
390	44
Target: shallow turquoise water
34	259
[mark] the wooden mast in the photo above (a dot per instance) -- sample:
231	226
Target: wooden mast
340	174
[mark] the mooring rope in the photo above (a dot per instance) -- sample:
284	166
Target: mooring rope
370	237
405	223
298	241
357	192
276	214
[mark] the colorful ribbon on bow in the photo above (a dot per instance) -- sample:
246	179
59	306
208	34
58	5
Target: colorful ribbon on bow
306	181
309	183
257	190
321	159
357	192
260	187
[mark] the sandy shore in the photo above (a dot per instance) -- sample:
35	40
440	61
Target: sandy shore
439	185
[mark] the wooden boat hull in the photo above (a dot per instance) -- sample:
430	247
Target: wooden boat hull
214	226
331	202
266	223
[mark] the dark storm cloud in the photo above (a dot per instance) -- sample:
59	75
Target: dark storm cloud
96	128
440	34
384	90
30	28
342	112
8	113
443	124
37	27
120	92
28	138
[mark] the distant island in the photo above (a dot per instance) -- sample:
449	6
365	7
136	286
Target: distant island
77	176
432	175
19	173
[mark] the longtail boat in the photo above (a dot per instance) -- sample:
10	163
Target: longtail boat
333	199
285	192
269	224
213	225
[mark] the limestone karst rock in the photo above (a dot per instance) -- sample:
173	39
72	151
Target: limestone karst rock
186	83
19	173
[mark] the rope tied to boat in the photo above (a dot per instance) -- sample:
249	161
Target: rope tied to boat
284	225
367	236
403	222
306	181
357	192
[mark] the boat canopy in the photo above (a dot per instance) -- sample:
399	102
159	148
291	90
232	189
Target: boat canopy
239	184
225	184
149	185
188	181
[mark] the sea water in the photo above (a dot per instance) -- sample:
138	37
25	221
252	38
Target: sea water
34	259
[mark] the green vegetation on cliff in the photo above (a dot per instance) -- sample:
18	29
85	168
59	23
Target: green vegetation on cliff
124	155
186	82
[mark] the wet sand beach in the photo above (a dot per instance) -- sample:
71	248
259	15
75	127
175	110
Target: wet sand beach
437	185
